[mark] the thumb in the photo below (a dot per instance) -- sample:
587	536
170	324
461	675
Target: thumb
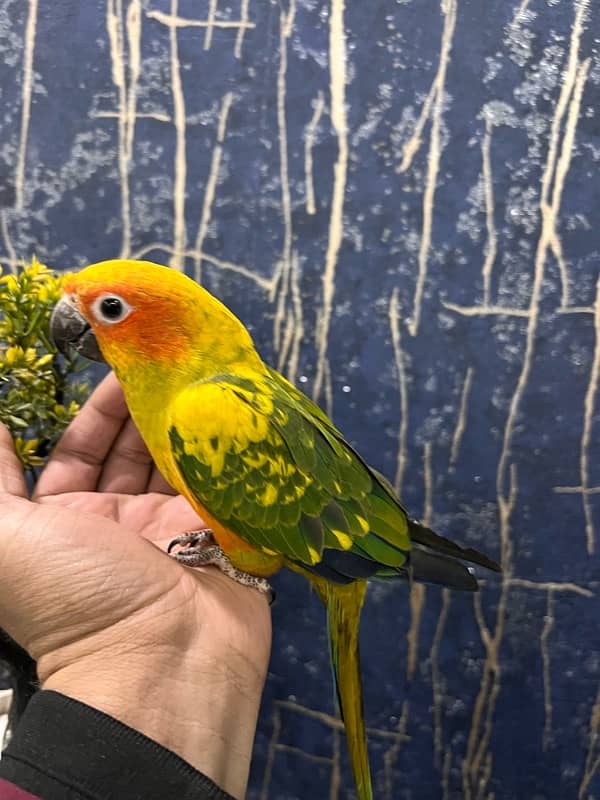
12	480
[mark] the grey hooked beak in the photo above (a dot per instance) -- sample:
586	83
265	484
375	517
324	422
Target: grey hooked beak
70	331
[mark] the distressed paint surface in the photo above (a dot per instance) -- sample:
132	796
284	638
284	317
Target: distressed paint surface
401	201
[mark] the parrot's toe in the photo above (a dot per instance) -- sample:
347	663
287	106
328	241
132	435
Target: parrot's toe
208	554
192	540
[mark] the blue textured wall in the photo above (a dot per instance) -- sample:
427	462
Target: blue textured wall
401	199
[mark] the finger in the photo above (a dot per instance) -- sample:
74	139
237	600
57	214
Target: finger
12	480
128	465
78	458
158	484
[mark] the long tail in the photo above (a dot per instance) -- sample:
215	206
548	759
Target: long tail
344	604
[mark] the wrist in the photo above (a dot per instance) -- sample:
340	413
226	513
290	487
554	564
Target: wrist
199	701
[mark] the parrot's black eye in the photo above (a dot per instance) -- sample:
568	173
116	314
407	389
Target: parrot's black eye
110	308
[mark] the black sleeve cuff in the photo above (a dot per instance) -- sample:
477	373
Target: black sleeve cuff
65	750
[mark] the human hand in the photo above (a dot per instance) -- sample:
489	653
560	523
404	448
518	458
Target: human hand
86	588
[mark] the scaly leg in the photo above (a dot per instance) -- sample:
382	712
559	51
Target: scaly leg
201	550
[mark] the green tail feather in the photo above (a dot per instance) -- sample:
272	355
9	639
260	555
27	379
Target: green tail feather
344	604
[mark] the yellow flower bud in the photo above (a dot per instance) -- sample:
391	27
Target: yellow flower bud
44	360
13	355
11	283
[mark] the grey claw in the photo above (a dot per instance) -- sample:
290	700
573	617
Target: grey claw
192	539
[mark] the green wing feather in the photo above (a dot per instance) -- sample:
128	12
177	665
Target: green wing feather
267	462
297	488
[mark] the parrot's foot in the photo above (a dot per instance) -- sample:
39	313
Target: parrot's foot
200	550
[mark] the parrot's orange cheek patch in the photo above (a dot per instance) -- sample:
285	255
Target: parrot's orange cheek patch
141	335
149	330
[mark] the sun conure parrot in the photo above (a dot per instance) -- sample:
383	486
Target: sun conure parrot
261	463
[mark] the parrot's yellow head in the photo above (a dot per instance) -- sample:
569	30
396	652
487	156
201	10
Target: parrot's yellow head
137	316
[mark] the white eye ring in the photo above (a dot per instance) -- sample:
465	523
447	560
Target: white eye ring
110	309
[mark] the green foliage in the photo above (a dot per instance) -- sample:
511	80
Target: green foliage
38	394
